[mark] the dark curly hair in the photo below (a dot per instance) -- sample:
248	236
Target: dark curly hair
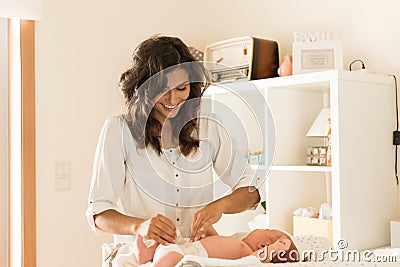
151	56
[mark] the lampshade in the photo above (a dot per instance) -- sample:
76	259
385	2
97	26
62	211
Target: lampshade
320	123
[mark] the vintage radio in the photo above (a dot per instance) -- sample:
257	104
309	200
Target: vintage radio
242	58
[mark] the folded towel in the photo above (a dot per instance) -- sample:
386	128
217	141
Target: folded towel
196	261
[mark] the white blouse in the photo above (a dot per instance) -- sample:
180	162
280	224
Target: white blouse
140	183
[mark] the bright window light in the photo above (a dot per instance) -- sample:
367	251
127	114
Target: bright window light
15	156
3	142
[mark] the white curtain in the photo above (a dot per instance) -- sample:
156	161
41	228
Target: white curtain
23	9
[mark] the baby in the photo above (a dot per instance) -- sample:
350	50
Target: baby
268	245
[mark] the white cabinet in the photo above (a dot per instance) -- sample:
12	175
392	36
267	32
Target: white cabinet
360	185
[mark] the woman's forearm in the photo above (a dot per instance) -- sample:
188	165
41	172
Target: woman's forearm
239	200
159	228
114	222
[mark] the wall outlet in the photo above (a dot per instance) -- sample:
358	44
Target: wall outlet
63	176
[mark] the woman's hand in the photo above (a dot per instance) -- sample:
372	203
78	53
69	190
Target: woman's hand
159	228
239	200
205	218
210	231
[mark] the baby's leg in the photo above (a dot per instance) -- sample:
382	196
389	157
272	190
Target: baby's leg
169	259
143	254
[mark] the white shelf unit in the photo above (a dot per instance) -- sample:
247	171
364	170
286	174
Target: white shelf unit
360	185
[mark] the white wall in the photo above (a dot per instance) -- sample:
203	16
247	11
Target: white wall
367	28
83	46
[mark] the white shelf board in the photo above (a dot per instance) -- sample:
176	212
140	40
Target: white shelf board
303	168
298	79
260	167
239	86
310	81
315	81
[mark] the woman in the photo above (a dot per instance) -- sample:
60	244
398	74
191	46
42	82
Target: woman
153	168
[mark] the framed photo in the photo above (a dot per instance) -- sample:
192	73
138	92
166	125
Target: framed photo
316	52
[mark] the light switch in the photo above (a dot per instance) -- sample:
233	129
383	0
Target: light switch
63	176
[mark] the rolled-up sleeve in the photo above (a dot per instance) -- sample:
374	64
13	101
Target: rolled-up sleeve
108	171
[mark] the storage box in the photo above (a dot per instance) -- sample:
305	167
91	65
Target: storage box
312	226
395	233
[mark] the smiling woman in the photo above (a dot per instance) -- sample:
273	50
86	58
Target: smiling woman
154	165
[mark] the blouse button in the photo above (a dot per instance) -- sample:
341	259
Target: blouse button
177	190
176	175
177	219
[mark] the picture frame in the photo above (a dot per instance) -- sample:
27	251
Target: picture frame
316	52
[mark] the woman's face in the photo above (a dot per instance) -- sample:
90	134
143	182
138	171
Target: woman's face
178	90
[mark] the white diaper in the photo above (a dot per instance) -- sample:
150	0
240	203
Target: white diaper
194	248
189	248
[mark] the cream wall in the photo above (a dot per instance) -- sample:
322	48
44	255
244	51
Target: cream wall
83	46
368	29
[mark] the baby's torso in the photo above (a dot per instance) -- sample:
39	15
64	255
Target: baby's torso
225	247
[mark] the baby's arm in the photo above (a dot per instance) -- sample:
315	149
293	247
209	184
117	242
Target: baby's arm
142	253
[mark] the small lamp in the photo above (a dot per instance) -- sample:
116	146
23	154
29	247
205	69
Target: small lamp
320	155
318	128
